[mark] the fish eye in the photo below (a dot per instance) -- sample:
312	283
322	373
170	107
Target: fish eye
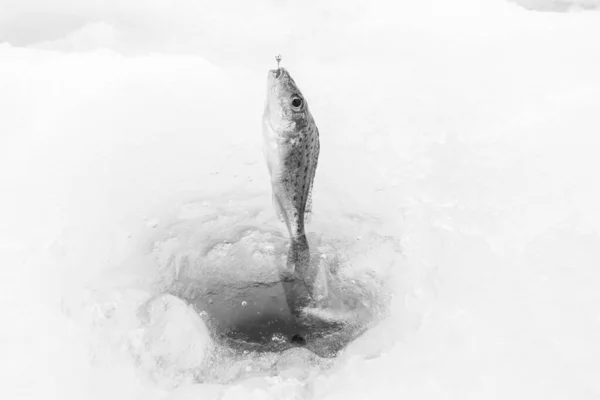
297	102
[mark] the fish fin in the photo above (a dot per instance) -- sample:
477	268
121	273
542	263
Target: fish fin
275	177
278	209
313	171
308	207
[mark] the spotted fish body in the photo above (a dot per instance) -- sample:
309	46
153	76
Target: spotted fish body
291	147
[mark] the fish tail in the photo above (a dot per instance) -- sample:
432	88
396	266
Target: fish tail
299	257
299	289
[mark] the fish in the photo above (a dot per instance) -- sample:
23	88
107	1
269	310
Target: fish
291	147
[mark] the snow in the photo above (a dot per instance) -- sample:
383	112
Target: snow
458	163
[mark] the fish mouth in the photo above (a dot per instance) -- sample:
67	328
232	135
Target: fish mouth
275	73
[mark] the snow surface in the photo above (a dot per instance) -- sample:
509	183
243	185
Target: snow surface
459	166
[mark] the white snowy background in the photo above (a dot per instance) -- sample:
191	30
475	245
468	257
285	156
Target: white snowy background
465	130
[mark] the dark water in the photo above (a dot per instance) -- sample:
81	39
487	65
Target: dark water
256	316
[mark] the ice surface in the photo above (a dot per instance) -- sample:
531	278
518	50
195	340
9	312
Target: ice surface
559	5
456	187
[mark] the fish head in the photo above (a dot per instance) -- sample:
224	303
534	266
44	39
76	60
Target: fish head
285	109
